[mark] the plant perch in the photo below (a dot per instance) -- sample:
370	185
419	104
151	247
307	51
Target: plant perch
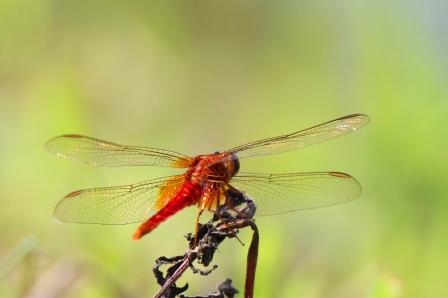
226	223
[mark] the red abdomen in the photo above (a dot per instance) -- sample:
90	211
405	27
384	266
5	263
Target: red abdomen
189	194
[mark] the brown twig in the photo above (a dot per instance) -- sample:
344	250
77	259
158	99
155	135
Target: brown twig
252	255
226	224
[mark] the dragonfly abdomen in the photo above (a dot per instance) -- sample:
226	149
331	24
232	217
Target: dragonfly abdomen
188	195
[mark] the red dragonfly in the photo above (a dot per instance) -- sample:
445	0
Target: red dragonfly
205	182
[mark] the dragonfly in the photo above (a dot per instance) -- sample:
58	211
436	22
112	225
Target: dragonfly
207	181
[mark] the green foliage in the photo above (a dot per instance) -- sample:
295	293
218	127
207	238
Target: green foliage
205	75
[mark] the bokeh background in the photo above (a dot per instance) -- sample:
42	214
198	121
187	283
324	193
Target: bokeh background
197	76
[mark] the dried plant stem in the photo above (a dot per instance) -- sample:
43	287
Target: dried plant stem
209	237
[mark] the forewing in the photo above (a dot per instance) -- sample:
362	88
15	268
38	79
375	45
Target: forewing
102	153
300	139
114	205
280	193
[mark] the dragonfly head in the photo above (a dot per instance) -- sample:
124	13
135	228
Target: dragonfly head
233	165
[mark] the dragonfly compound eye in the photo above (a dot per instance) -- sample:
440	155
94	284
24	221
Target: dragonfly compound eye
235	164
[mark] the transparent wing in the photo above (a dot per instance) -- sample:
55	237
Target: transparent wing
299	139
102	153
280	193
116	204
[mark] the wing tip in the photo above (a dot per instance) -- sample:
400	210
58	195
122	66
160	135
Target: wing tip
49	145
347	176
339	174
364	117
73	194
72	135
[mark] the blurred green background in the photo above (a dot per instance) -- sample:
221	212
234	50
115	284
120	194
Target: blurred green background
197	76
